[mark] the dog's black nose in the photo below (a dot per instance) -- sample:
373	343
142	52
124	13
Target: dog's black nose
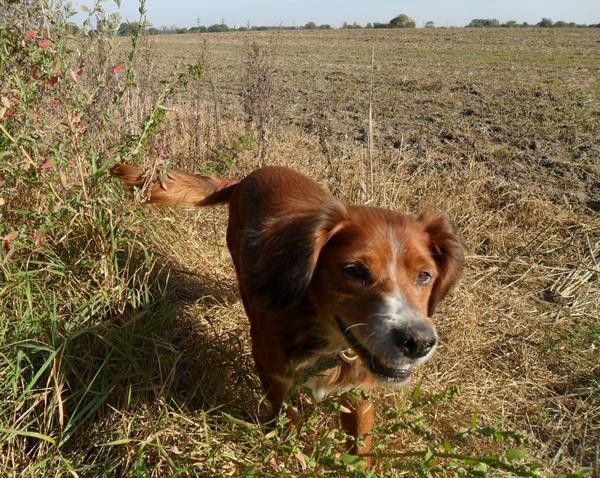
415	341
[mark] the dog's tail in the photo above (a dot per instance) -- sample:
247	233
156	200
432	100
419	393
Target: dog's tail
176	188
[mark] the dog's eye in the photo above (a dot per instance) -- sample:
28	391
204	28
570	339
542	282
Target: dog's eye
424	278
357	272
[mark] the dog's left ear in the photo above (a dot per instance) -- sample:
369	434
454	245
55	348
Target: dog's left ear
278	262
448	252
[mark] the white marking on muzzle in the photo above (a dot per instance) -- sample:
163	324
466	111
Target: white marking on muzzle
395	313
397	310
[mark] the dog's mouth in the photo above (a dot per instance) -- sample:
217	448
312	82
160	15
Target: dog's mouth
384	372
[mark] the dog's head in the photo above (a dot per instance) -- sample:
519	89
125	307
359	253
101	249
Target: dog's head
374	275
380	278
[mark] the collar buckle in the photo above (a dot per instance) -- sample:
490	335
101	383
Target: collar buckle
347	356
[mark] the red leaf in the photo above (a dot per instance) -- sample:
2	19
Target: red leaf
275	465
11	236
31	34
46	165
44	43
118	68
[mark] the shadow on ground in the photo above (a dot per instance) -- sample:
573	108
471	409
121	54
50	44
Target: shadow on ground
188	347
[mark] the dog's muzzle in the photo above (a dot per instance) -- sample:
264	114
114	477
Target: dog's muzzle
384	372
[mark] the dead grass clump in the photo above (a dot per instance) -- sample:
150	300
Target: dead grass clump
257	90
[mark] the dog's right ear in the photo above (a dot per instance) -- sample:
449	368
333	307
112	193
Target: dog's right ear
278	261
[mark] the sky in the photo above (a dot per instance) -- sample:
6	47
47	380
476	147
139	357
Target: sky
185	13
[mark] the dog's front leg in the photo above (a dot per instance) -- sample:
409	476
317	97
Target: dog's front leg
358	423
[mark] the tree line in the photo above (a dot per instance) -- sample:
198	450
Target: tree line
544	23
399	21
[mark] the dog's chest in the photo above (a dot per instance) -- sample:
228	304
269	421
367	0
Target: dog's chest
321	387
331	375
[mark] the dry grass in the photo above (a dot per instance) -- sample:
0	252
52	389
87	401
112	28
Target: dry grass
523	353
520	334
499	128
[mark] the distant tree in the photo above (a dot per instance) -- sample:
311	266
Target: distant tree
402	21
125	29
369	25
153	31
218	27
545	23
560	24
325	26
510	24
381	25
525	24
429	24
483	22
129	28
310	26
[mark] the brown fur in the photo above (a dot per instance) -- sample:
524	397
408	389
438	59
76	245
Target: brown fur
290	241
178	189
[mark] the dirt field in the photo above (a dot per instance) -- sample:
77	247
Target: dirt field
523	103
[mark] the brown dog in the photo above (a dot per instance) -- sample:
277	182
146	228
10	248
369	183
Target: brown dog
324	281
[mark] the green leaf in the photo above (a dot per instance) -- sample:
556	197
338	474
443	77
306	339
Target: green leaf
447	446
25	433
473	423
350	459
514	454
416	393
428	455
237	421
121	441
